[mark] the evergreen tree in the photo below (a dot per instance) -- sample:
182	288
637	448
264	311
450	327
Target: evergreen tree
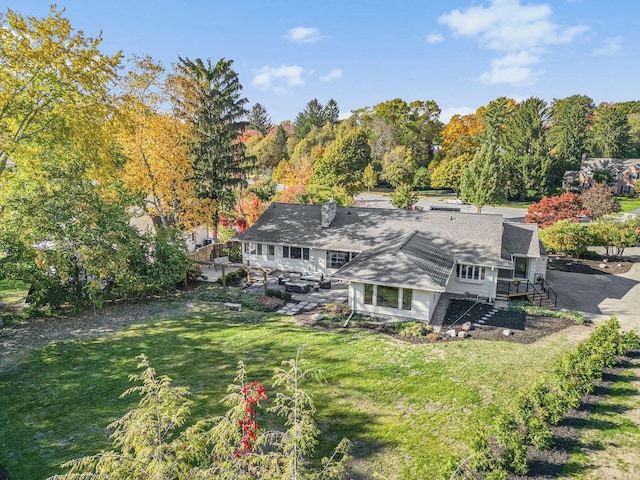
331	111
258	119
610	135
209	98
528	163
482	181
569	119
313	114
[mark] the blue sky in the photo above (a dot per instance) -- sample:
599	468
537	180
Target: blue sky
460	53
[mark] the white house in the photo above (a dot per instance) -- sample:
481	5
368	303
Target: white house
397	262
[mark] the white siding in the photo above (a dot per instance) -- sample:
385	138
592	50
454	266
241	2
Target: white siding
540	266
317	262
483	288
422	305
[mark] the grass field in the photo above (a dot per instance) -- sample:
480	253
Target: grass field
629	203
406	407
13	292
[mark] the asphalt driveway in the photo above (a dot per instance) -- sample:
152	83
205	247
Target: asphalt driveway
600	296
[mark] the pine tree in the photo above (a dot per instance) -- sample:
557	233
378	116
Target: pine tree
331	111
258	119
209	98
281	140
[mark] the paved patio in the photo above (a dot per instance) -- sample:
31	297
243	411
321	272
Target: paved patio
300	302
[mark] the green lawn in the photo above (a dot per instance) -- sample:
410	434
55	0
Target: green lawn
407	407
13	292
629	203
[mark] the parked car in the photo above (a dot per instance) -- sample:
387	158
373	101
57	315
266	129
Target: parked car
455	201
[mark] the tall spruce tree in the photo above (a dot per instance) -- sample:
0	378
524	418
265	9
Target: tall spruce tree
332	111
281	140
569	119
610	134
258	119
528	161
209	98
482	182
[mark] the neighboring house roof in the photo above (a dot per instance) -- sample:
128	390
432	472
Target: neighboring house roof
422	264
613	165
520	239
467	237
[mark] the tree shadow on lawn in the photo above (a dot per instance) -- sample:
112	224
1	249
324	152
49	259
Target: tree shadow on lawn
200	353
554	462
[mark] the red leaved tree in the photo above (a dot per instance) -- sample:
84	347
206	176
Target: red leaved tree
551	209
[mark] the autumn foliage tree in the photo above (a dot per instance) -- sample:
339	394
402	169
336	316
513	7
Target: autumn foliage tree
598	200
552	209
52	79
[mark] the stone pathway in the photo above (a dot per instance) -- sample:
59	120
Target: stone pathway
294	308
483	321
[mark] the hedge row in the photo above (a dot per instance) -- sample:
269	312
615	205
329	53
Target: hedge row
503	449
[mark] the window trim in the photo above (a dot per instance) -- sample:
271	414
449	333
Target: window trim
287	252
478	273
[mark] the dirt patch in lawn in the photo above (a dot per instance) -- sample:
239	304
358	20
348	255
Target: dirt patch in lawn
589	266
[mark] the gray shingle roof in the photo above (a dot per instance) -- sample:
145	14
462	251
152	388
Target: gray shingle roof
520	239
466	237
412	260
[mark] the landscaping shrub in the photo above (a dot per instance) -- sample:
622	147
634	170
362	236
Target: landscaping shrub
270	303
338	309
527	422
279	294
413	329
529	309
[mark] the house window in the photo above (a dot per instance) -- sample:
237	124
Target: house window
250	248
368	294
470	272
296	253
624	189
407	298
271	251
336	259
520	269
259	249
387	296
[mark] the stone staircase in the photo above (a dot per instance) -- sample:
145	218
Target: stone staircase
483	321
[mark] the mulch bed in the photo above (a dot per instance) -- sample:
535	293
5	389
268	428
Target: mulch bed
588	266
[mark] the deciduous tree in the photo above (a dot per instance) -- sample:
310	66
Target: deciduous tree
52	79
598	200
344	162
369	177
552	209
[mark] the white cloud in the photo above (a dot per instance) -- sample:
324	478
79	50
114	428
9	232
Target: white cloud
513	69
303	35
447	113
335	74
278	79
523	32
435	38
611	46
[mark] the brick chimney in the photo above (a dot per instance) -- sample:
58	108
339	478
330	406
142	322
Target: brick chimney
328	212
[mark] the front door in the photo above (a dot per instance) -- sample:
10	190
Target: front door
521	267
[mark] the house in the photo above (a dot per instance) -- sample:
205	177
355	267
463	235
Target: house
398	263
622	175
194	239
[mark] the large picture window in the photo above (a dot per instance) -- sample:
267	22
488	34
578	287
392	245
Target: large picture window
336	259
295	253
407	298
470	272
520	268
368	294
387	296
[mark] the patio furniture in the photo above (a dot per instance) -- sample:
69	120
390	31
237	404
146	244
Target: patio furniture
297	287
283	279
325	284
